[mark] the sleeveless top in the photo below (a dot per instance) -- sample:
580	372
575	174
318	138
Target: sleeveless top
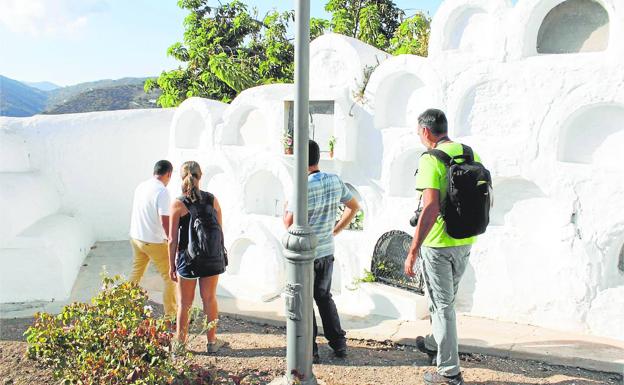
205	197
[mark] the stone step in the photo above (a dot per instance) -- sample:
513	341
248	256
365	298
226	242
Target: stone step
43	261
25	198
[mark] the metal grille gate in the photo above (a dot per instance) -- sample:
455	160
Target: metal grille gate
389	259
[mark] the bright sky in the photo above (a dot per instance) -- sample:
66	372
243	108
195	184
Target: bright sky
73	41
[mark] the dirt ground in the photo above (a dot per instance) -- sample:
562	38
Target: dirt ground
256	356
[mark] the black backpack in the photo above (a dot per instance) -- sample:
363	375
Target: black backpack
466	207
205	251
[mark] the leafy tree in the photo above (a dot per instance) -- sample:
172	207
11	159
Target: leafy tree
371	21
412	36
227	49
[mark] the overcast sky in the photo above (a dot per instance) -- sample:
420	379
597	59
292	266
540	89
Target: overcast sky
73	41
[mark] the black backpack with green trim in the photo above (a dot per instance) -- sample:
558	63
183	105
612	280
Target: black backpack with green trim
466	207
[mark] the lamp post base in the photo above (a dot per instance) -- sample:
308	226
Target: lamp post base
284	381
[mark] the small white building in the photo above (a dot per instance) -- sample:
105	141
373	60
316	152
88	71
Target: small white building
536	88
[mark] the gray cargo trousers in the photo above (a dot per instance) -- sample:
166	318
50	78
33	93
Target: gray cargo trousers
443	269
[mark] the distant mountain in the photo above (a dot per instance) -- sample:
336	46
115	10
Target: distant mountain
18	99
43	86
65	94
122	97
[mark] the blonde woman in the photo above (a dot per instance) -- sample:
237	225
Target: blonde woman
187	264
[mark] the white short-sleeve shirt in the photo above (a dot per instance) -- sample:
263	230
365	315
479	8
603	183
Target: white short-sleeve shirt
151	200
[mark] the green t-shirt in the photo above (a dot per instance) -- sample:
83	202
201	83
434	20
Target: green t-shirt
432	174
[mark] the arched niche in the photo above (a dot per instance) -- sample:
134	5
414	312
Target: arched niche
216	181
189	129
586	131
403	174
574	26
264	194
399	100
470	31
484	109
508	192
254	129
236	253
255	264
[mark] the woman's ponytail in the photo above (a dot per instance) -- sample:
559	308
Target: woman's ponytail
191	173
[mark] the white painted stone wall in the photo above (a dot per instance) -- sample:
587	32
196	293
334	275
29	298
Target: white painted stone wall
548	126
65	182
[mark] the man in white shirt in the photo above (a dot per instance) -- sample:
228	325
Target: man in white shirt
149	231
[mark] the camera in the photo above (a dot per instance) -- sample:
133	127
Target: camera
414	219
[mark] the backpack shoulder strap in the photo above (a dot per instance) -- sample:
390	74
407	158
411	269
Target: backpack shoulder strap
209	198
468	154
441	156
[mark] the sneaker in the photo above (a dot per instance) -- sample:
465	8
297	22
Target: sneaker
213	347
341	353
434	378
432	354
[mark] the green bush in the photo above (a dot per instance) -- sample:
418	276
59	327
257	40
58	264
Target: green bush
114	340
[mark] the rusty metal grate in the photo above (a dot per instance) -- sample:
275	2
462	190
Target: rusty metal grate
389	258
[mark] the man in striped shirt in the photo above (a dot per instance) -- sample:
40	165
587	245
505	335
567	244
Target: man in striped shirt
325	193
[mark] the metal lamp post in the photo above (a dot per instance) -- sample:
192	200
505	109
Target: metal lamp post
300	241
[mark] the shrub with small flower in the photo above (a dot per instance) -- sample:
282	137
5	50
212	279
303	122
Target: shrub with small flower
287	140
113	340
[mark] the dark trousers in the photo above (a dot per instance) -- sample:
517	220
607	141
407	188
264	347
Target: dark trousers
323	268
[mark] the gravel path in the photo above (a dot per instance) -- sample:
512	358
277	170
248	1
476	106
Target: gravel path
256	356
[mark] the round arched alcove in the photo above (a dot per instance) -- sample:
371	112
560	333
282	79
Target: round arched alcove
399	100
264	194
484	109
255	264
403	174
188	130
574	26
254	129
508	192
587	130
471	30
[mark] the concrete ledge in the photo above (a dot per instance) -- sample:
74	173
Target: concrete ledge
477	335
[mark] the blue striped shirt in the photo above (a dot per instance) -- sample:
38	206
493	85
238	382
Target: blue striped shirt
325	193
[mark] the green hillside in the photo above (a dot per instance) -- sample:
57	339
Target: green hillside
18	99
65	94
121	97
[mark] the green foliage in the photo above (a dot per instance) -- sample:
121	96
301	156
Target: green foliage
359	95
371	21
332	143
227	49
113	340
412	36
368	277
356	224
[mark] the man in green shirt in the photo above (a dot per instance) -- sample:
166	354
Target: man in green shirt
444	258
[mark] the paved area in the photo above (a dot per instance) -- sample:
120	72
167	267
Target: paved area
477	335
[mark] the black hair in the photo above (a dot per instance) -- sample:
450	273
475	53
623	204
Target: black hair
162	167
314	153
435	121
